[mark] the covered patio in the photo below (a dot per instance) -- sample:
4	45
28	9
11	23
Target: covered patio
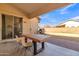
28	14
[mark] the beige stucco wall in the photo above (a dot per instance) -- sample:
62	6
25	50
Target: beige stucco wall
34	27
10	10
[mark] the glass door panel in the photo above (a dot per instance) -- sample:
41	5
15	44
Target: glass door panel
9	26
17	26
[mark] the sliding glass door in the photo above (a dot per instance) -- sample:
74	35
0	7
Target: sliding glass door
11	26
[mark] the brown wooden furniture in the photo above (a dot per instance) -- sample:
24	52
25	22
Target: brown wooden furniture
35	39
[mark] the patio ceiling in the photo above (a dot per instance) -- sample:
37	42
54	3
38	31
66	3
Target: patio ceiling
35	9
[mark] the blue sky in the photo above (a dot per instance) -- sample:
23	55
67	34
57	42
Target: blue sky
58	16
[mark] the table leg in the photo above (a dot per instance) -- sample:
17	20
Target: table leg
42	48
35	48
43	45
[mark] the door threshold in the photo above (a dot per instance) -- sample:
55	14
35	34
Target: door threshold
7	40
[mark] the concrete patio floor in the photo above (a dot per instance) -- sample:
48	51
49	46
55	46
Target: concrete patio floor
54	50
13	49
64	41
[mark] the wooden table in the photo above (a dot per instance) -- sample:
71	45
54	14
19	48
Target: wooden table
35	39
